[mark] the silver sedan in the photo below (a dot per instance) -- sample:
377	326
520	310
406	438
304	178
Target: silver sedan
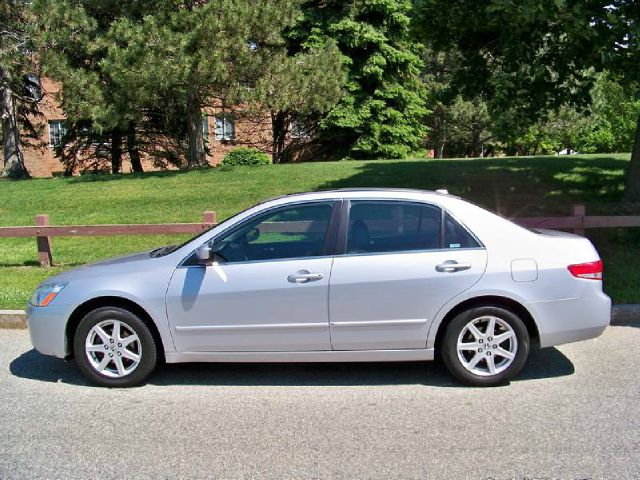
337	276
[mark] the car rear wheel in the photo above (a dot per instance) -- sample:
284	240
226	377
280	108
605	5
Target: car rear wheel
485	346
114	348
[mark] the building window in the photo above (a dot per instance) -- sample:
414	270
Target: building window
32	87
57	131
298	127
225	128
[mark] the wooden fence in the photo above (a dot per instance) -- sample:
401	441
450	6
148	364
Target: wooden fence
43	231
577	222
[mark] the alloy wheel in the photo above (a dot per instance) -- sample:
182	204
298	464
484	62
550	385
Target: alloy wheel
487	345
113	348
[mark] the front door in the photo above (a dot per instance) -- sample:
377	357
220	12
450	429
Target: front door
402	262
267	291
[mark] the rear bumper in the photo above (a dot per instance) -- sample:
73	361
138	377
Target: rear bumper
571	320
47	328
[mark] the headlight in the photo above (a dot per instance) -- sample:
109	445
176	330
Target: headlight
44	294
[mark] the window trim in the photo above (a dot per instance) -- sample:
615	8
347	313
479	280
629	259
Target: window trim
341	244
328	249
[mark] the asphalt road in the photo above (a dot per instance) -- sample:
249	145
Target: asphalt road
573	414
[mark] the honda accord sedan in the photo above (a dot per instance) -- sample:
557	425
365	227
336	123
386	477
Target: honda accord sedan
359	275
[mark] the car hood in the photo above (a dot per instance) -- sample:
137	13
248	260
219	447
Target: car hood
123	265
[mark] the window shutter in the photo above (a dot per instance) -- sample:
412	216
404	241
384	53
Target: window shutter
230	130
205	126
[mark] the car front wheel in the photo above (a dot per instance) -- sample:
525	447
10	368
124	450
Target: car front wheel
485	346
114	348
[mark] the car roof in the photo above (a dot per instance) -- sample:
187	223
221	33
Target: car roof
372	191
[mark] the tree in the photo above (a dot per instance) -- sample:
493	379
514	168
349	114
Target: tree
74	45
218	54
381	113
132	71
531	53
621	54
533	56
436	76
458	126
614	108
298	86
470	125
17	105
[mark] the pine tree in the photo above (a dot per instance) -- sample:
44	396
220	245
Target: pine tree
219	52
74	43
381	113
17	103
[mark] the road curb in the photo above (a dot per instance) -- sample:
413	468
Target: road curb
627	315
14	319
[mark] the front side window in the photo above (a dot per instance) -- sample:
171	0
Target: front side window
225	128
392	227
57	131
288	232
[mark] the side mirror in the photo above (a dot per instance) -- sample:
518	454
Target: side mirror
204	254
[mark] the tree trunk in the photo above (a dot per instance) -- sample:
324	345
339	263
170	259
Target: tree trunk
132	149
197	156
440	150
116	150
13	160
279	135
476	148
632	187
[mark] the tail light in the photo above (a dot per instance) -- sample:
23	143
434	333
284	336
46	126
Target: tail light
590	270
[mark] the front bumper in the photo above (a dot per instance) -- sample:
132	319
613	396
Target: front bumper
571	320
47	328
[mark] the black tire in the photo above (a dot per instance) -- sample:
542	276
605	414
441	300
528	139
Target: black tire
148	347
449	350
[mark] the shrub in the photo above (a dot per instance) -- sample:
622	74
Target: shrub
246	156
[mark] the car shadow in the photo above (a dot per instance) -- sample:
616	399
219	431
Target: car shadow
545	363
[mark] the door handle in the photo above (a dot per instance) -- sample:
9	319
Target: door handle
304	276
450	266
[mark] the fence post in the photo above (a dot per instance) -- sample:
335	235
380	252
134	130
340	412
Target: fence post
44	243
209	217
579	210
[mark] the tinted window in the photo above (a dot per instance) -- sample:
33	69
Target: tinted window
392	227
456	236
289	232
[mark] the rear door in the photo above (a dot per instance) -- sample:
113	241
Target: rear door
399	262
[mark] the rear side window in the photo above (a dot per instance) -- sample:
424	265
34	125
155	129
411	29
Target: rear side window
456	236
392	227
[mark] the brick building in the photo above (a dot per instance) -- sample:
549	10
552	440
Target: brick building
222	131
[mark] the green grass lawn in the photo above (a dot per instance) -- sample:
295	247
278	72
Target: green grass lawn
522	186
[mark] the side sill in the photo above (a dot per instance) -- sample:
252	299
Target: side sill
302	357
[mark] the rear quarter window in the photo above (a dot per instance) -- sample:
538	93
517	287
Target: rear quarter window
456	236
